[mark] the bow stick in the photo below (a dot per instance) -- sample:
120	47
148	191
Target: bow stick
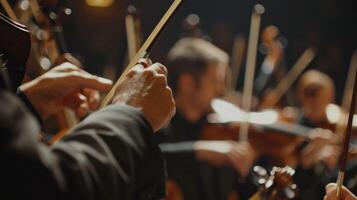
132	25
346	141
145	48
11	13
294	73
250	66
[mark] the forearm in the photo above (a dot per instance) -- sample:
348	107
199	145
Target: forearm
117	143
22	96
110	155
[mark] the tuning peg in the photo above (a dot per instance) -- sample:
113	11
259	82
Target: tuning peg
261	175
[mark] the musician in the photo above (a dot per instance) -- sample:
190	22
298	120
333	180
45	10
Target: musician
319	156
331	193
273	50
110	155
197	74
315	91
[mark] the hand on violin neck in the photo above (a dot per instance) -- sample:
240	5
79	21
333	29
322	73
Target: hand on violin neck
239	155
320	149
65	86
145	88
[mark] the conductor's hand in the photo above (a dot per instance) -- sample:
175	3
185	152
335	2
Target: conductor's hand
145	88
65	86
331	193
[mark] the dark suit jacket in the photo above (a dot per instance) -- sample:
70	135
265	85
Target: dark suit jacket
197	180
110	155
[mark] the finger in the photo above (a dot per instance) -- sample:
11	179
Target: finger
74	100
83	80
82	110
66	67
330	188
239	166
140	66
159	69
145	62
93	97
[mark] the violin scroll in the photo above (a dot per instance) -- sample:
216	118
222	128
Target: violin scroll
278	185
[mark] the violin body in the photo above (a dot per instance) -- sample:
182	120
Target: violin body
280	147
15	45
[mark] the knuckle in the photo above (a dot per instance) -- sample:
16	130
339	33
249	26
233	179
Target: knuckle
73	74
148	73
70	66
131	73
158	65
170	93
162	67
161	79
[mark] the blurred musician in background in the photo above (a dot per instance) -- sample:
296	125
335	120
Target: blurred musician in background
315	91
197	74
273	50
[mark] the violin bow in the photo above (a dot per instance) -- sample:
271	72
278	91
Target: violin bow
346	141
5	4
300	65
237	58
132	25
145	48
347	94
250	67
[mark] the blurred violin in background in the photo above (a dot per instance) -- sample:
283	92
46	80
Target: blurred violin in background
15	47
43	20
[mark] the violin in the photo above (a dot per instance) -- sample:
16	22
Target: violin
43	19
278	185
268	133
15	45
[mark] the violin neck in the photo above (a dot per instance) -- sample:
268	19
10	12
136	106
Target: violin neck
256	196
291	129
57	32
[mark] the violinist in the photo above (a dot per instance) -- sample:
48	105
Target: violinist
197	73
317	157
274	56
315	92
110	155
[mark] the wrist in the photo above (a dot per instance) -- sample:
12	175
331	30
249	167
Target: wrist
125	100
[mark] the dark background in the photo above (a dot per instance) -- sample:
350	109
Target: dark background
98	34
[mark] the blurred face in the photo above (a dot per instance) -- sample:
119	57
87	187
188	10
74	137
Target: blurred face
315	107
209	86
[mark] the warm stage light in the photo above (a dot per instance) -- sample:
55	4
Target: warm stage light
99	3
